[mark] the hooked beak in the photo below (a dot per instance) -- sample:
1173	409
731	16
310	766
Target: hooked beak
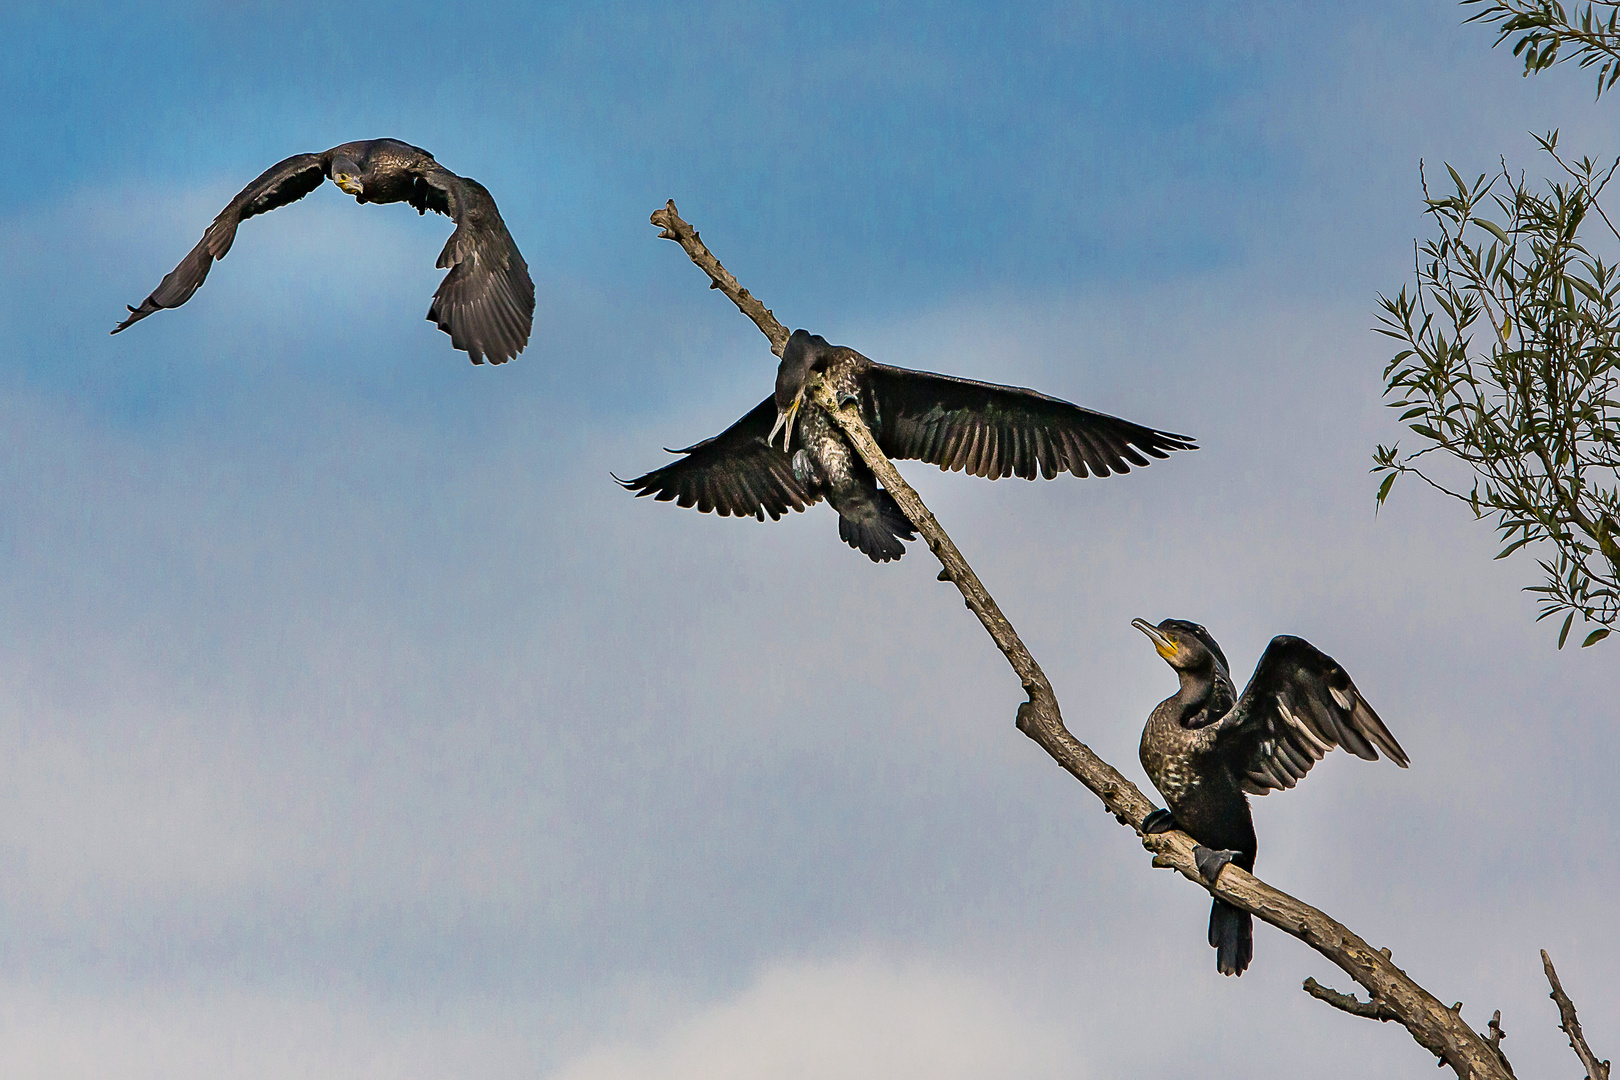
350	184
1166	646
785	420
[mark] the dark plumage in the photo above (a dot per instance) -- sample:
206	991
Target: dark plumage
486	301
957	424
1206	749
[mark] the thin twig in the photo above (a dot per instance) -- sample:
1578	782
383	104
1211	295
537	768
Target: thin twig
1494	1035
1435	1027
1372	1010
1595	1069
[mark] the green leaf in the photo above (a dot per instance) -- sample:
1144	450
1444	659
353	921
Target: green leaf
1383	489
1564	633
1492	228
1511	548
1595	636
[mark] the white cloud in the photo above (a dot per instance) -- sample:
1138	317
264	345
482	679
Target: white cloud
861	1018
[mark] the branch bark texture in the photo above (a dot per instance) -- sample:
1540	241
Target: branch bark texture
1595	1069
673	228
1436	1027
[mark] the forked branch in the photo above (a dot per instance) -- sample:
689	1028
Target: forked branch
1395	996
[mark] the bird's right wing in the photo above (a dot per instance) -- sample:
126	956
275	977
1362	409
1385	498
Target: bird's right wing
282	183
736	472
1299	705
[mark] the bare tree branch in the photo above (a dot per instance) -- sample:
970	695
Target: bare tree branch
1372	1010
1595	1069
1438	1029
669	220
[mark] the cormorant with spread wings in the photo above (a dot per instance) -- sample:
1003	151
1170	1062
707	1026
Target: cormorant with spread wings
486	301
957	424
1206	750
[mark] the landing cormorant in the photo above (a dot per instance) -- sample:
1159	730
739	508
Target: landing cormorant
1205	749
486	301
991	431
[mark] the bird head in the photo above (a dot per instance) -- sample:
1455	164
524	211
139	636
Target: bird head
346	174
804	353
1185	646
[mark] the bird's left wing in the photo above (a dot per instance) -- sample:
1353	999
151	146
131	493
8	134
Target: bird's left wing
1299	705
486	302
736	472
997	431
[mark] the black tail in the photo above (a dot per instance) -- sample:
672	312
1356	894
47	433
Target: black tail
876	527
1231	934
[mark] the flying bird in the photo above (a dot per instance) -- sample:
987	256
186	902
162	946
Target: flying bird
957	424
1206	750
486	301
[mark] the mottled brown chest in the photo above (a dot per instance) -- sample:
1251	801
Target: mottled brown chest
1169	758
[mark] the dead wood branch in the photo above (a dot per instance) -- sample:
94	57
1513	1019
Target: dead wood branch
673	228
1438	1029
1372	1010
1595	1069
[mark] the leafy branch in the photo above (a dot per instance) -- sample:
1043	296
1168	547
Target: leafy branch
1532	411
1543	28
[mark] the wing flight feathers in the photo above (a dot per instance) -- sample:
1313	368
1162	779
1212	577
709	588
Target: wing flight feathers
486	302
995	431
1299	705
284	182
735	472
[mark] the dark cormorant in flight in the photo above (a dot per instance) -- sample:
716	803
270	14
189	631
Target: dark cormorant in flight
486	301
1205	748
991	431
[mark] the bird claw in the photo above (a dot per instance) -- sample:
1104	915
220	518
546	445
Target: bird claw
1160	821
1210	861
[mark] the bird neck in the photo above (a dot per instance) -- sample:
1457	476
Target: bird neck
1197	690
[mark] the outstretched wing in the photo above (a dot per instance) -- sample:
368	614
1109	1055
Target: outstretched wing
486	302
997	431
282	183
1299	705
735	472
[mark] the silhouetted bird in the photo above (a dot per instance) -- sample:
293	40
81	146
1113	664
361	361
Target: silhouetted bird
486	301
991	431
1205	748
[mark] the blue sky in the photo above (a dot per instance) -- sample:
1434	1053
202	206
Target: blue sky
353	723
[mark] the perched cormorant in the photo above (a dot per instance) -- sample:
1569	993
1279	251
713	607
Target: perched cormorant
1205	748
486	301
991	431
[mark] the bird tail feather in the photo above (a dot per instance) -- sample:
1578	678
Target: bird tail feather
1231	934
878	528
